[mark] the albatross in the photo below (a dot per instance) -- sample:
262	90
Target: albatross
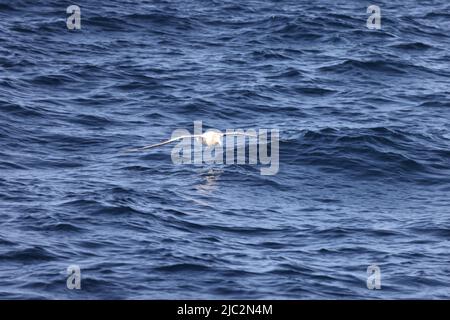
209	138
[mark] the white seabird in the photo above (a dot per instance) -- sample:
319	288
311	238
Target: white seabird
209	138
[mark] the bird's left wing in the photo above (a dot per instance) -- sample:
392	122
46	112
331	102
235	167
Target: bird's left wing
161	143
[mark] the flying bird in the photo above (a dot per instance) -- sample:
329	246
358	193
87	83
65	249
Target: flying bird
209	138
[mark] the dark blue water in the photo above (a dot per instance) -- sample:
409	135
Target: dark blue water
364	153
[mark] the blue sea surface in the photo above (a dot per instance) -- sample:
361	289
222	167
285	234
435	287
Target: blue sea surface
364	177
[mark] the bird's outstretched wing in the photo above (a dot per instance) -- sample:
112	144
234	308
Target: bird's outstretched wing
161	143
240	134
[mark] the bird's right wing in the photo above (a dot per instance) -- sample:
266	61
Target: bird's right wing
236	133
161	143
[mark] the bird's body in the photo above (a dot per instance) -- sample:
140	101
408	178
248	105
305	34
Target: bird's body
209	138
212	138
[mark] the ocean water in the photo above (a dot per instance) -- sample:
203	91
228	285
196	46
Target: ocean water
364	176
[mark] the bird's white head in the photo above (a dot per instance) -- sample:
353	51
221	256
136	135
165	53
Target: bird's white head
212	138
